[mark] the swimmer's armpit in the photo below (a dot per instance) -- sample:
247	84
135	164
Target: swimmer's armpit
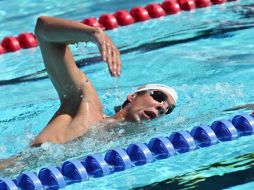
239	107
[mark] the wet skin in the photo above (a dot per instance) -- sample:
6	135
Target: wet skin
80	106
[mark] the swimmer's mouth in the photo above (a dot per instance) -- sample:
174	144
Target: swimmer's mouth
150	114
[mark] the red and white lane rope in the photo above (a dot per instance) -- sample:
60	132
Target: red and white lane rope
119	18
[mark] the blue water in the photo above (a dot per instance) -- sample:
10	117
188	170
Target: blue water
207	55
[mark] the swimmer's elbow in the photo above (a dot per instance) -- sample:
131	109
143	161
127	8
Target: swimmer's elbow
39	29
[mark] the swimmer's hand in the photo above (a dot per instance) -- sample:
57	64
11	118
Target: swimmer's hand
109	52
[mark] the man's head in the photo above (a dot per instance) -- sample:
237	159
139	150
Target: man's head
149	102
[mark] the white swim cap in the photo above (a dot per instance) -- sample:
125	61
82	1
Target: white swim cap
169	90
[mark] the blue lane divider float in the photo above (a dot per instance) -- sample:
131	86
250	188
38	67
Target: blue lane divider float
182	141
7	184
52	178
244	124
204	135
224	130
96	166
74	171
139	154
119	159
28	180
161	147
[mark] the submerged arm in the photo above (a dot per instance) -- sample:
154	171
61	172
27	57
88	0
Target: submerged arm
244	106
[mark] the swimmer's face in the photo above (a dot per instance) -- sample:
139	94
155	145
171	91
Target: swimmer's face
148	105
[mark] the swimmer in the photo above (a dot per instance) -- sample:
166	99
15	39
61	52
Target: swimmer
80	107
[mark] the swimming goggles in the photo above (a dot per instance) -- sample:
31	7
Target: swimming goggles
161	97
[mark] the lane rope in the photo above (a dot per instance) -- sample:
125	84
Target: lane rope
119	18
120	159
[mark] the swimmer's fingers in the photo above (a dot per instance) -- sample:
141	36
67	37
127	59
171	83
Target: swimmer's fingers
109	52
109	58
120	65
103	50
113	58
114	61
99	38
117	62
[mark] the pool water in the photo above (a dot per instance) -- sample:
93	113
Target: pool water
206	54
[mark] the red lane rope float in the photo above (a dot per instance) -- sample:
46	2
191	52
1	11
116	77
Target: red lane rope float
124	18
108	21
187	5
11	44
24	40
27	40
203	3
139	13
92	22
155	10
119	18
171	7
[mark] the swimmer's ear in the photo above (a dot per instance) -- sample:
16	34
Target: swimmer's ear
131	97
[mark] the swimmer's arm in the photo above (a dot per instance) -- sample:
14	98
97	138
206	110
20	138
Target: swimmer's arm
64	32
5	163
72	85
239	107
